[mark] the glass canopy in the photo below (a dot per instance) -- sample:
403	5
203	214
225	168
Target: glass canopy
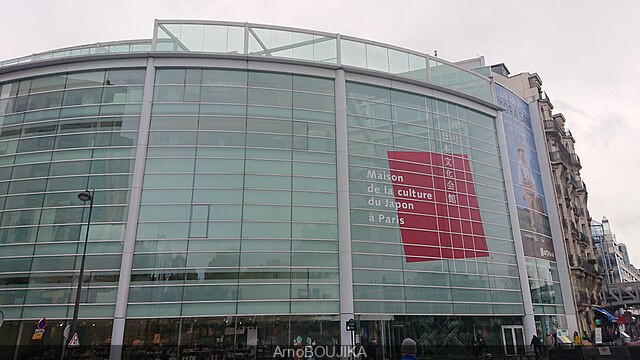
306	45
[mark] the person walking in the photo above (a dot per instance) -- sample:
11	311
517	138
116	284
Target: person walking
409	349
372	349
548	343
548	340
480	349
536	343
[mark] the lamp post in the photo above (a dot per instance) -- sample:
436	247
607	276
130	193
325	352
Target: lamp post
84	196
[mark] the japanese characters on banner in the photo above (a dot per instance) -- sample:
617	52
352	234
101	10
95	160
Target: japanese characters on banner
436	205
525	172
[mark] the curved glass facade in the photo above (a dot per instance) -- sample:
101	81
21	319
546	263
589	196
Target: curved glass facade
219	181
238	211
457	277
60	134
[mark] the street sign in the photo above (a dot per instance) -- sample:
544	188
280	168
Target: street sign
37	334
75	342
351	325
42	323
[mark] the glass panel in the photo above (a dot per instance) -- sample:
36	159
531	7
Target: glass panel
170	76
85	79
224	77
313	84
417	68
377	58
82	97
297	45
174	93
55	82
214	38
199	213
398	62
125	77
353	53
200	37
45	100
191	36
219	94
270	80
458	79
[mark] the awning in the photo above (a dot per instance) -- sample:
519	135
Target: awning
606	313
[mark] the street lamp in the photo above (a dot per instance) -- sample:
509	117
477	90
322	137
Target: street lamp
84	197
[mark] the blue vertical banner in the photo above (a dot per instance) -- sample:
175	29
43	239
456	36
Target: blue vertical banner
525	173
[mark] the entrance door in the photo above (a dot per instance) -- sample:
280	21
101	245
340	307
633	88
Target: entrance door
395	335
513	339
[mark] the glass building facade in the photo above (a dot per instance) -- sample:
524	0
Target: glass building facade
256	186
382	120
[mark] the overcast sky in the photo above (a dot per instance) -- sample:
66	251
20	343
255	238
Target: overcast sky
586	53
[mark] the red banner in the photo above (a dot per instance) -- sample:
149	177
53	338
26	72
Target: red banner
437	208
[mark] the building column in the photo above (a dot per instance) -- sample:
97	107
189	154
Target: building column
344	220
117	332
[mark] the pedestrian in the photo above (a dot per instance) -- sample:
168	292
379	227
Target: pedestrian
372	349
535	342
475	350
548	343
409	349
479	349
576	339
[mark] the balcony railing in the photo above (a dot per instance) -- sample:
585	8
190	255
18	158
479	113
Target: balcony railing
574	228
574	160
582	238
552	125
561	154
111	47
583	298
575	179
555	156
588	265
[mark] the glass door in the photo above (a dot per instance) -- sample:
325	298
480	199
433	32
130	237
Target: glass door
513	339
393	336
